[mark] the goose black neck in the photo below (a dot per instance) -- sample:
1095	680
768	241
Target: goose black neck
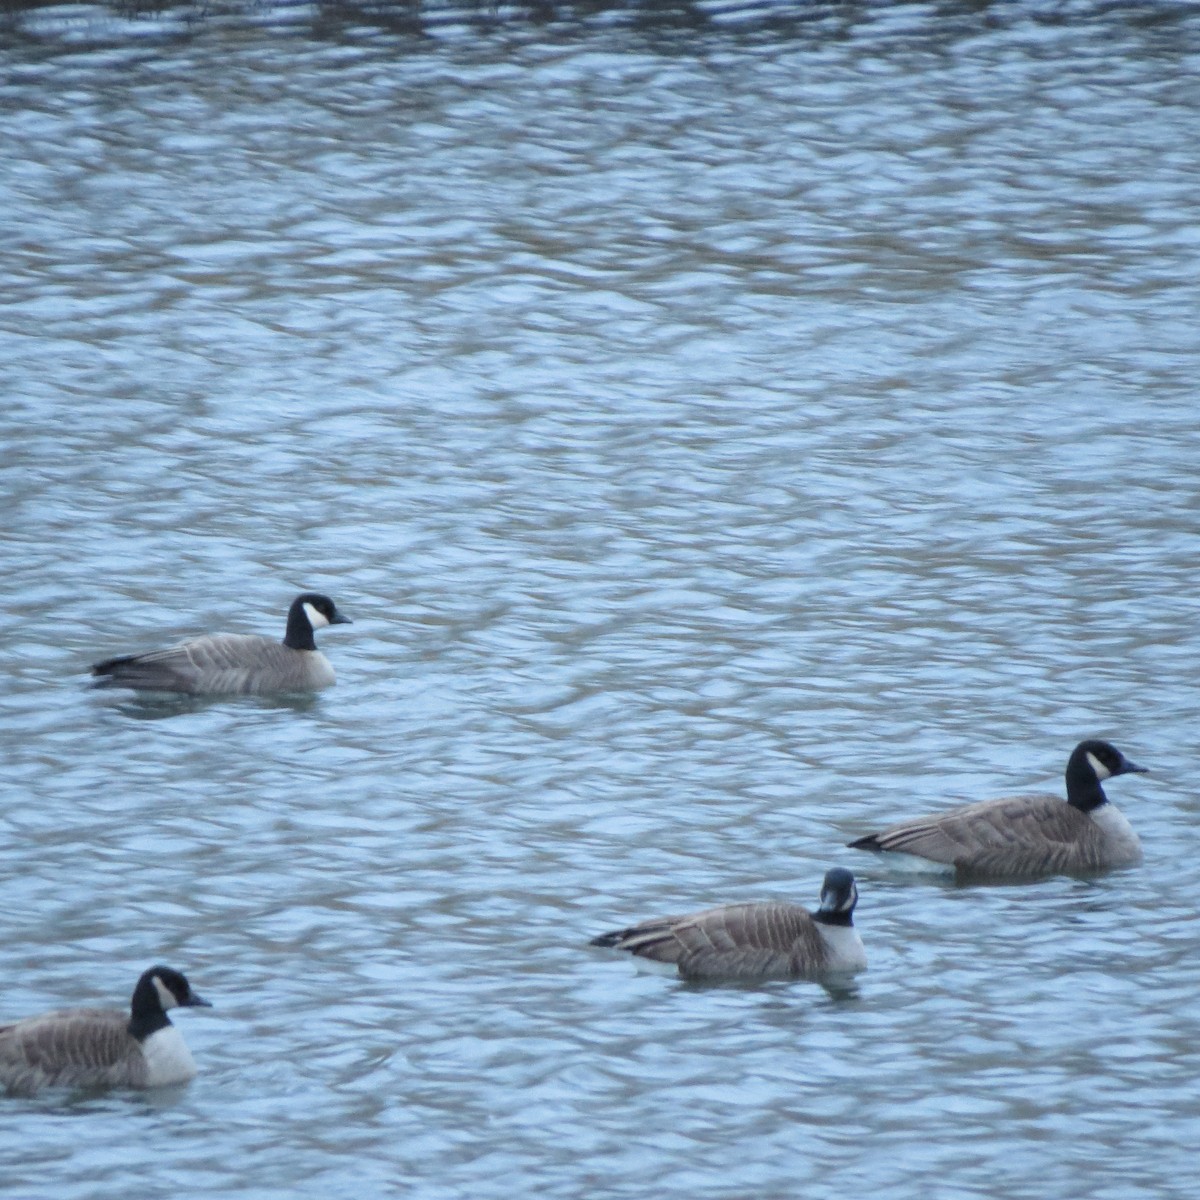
299	635
834	918
1083	788
147	1012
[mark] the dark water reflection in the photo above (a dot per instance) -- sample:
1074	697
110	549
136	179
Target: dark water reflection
157	707
729	426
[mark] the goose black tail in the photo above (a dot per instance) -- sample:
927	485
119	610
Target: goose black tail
610	939
870	842
110	667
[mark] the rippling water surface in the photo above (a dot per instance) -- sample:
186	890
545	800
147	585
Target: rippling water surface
729	427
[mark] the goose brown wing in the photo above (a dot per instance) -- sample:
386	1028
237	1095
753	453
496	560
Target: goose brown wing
239	663
70	1046
209	664
1016	833
1046	836
650	939
767	940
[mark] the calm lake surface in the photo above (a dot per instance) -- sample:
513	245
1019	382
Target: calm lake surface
730	427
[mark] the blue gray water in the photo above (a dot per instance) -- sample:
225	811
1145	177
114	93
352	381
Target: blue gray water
729	427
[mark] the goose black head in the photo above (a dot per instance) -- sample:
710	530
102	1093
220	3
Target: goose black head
310	611
1106	760
1091	762
839	895
166	988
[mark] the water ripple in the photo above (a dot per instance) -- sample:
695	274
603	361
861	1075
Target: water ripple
729	426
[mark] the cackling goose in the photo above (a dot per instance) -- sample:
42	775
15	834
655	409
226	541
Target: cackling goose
235	663
758	941
95	1047
1028	835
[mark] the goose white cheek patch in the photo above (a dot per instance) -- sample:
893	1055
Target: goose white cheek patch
166	997
1102	772
315	619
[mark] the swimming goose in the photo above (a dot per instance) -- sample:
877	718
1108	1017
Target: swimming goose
758	941
96	1047
1028	835
235	663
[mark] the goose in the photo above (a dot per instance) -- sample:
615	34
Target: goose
1030	835
235	663
96	1047
757	941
